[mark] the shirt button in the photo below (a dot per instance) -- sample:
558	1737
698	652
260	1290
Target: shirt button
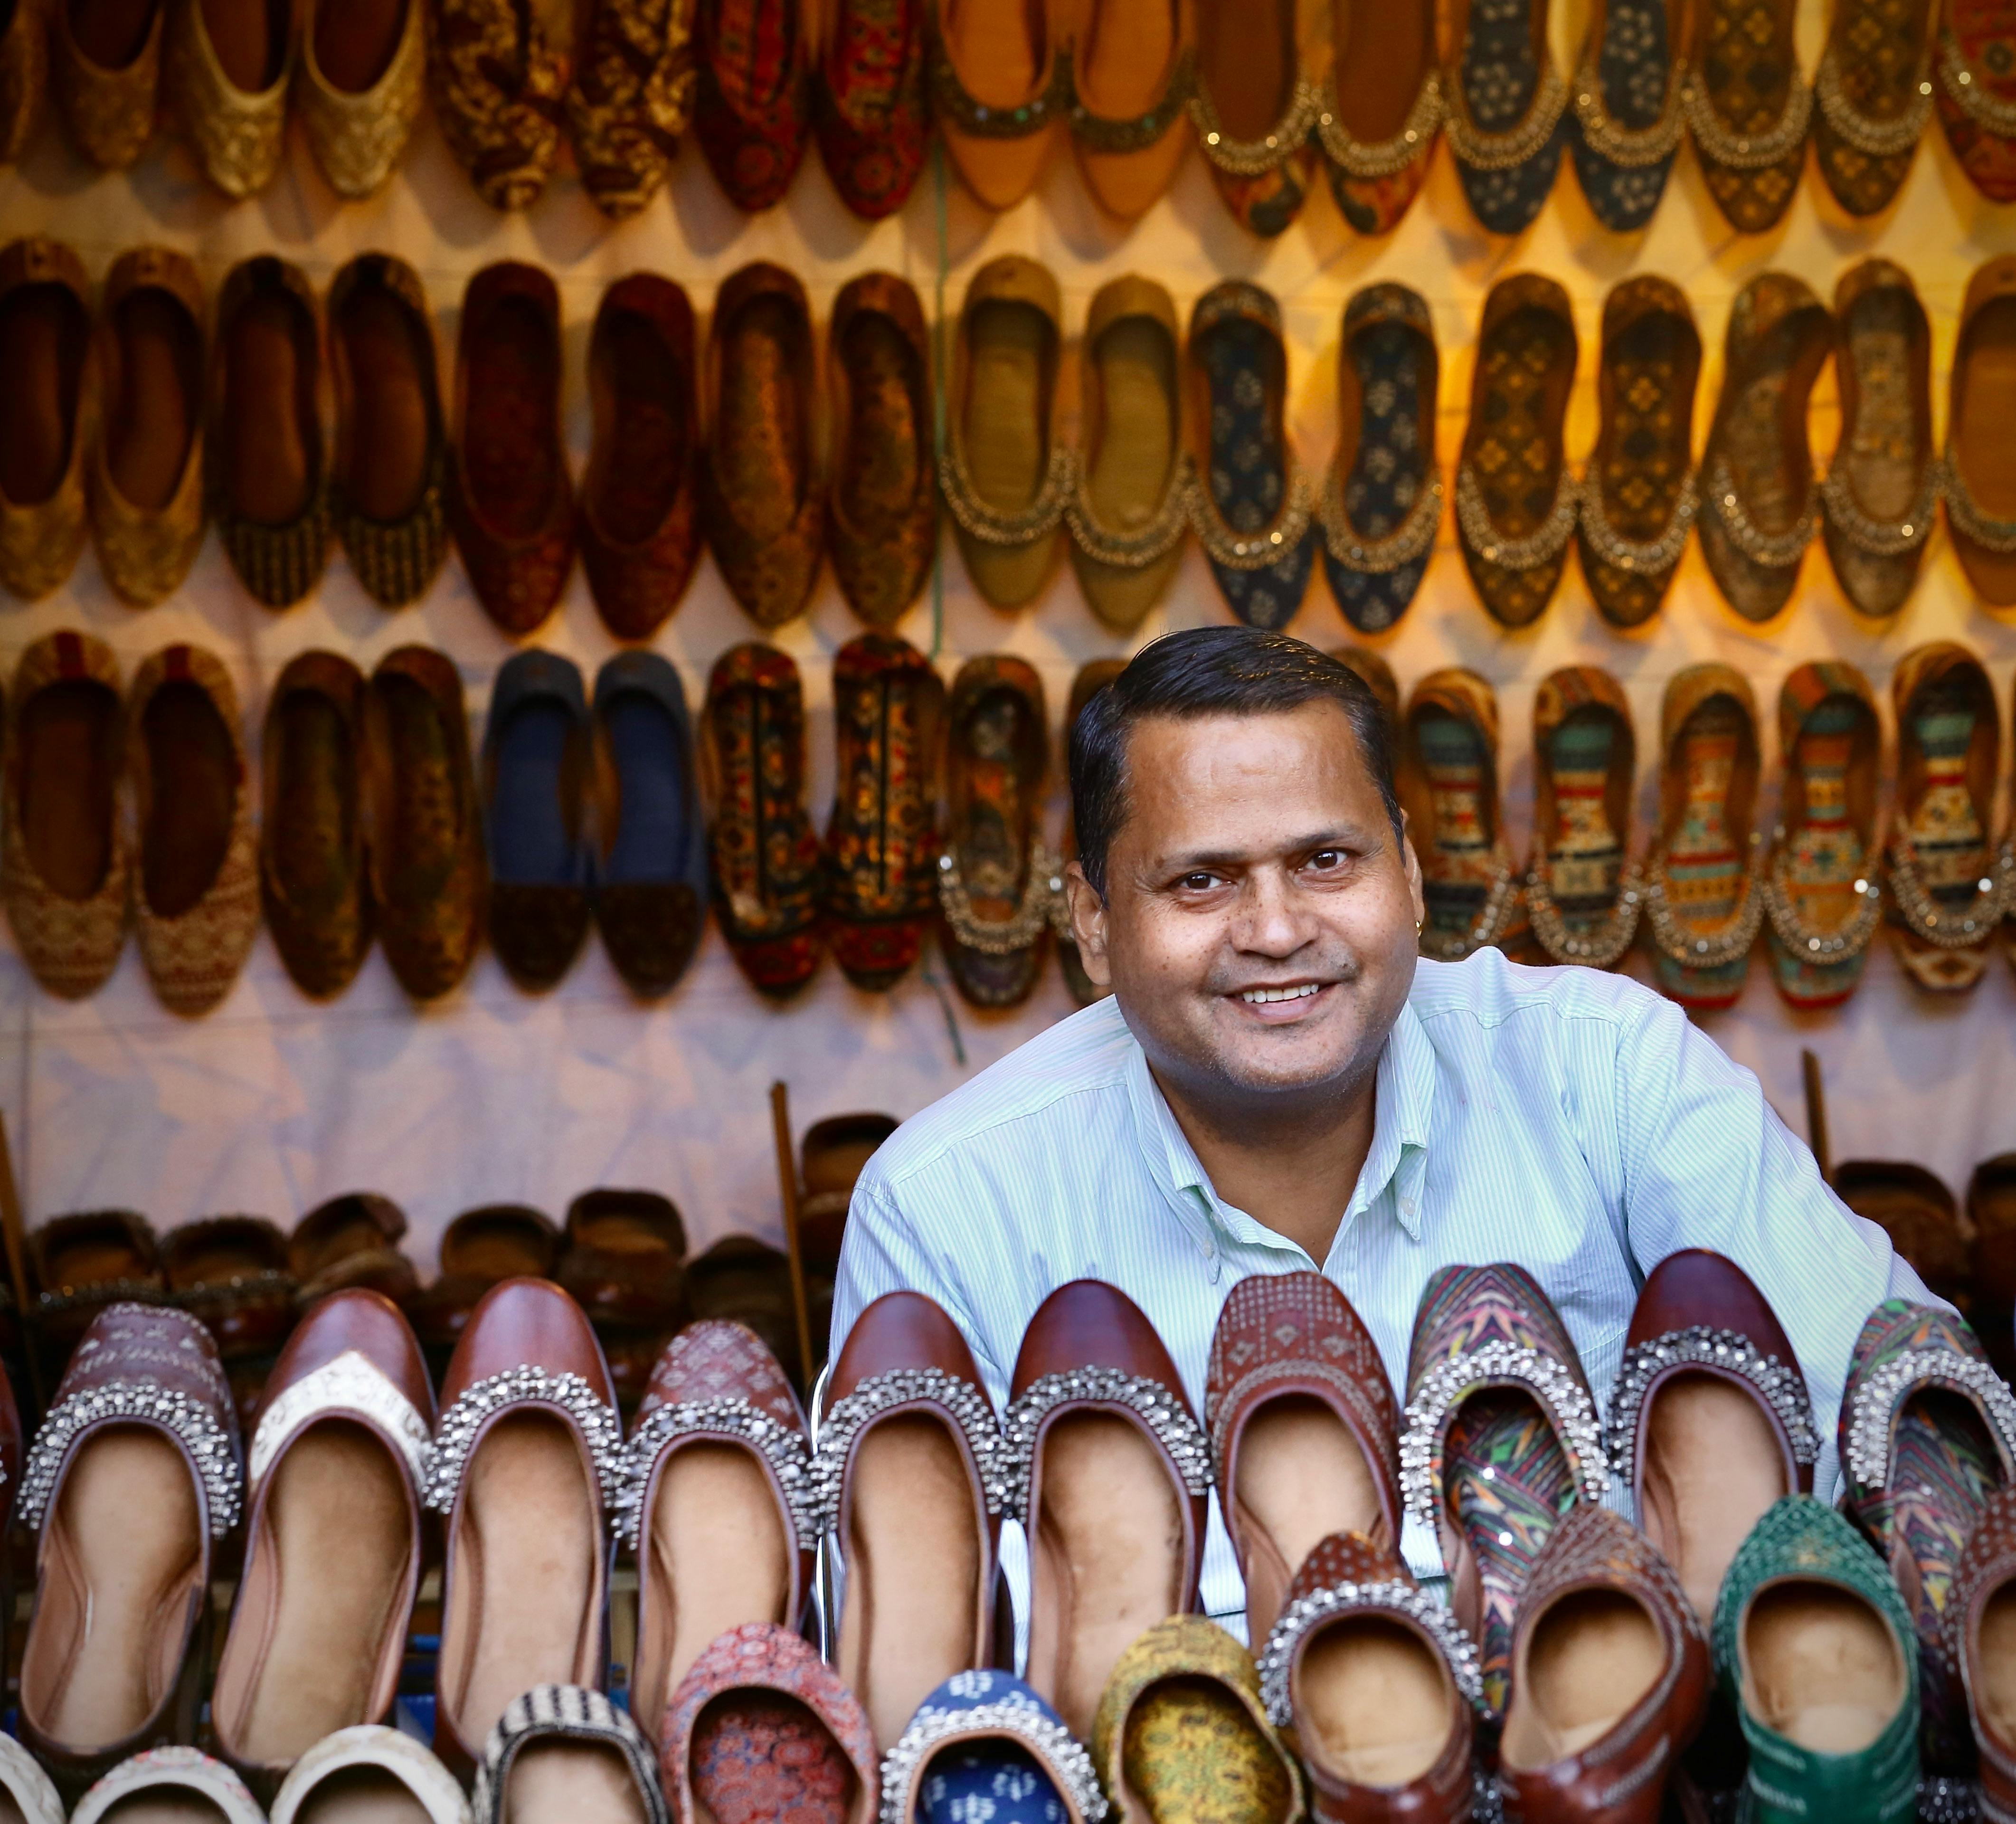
1406	1206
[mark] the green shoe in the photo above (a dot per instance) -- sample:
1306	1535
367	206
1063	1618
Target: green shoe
1814	1646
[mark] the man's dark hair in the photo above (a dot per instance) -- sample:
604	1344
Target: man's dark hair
1209	671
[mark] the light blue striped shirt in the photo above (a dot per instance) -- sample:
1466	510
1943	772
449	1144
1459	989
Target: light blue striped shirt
1573	1121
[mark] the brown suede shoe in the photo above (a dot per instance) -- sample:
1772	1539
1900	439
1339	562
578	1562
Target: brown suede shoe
351	1242
49	400
625	1265
1916	1209
1980	473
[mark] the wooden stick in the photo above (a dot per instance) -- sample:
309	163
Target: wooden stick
787	1188
1816	1126
16	1233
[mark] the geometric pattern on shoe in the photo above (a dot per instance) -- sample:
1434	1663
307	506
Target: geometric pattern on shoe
984	1748
576	1714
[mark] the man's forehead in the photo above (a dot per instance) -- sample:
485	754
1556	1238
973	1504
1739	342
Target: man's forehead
1239	777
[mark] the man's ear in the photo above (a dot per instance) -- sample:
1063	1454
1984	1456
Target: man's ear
1412	862
1088	919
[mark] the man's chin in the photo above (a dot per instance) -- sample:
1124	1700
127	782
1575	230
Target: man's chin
1324	1046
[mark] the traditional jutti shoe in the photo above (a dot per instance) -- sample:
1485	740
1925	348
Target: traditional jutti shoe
1447	767
1979	482
1749	108
1252	108
1182	1738
373	1764
1950	884
359	85
1384	110
1507	110
1583	891
106	61
1975	87
1704	888
497	73
1874	87
565	1751
1980	1645
24	81
753	111
983	1741
1814	1645
48	397
226	79
1133	72
872	114
631	98
1927	1436
1630	110
178	1783
1500	1439
1821	892
1000	89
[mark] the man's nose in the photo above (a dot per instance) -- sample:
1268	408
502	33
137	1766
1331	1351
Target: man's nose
1271	920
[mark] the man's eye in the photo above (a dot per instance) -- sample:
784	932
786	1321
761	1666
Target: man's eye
1198	883
1328	858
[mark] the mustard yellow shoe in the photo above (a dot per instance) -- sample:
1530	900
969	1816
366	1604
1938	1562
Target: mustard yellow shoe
228	67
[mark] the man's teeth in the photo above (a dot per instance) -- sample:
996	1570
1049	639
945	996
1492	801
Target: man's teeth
1254	997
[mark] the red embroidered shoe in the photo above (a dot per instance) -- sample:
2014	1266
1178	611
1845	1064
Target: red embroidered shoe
754	111
873	128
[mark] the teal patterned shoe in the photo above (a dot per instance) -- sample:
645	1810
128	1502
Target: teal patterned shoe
1814	1646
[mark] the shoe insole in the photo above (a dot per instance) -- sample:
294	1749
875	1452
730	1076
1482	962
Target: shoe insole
1821	1667
888	431
530	842
1107	1562
1713	1465
385	468
758	1757
556	1781
10	1807
761	437
250	38
1380	53
151	420
1121	64
105	1646
1374	1703
310	833
42	340
1129	472
1825	857
1584	854
1302	1477
718	1557
1704	871
111	33
361	1795
354	41
1880	447
641	415
424	820
1003	432
1589	1658
1179	1728
914	1543
1985	407
510	437
1000	47
1996	1693
1945	827
271	448
652	830
69	747
1247	65
192	795
339	1536
522	1608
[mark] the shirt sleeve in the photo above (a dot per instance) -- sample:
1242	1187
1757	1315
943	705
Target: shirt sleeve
1705	1162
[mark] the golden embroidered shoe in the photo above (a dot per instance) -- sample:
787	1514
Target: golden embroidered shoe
362	73
497	78
228	69
106	67
147	510
631	99
48	404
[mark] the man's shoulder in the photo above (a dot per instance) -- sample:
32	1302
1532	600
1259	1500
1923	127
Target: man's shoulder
1046	1079
1488	989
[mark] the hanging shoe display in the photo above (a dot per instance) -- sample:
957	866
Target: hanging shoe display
1133	73
871	114
1872	92
48	399
753	107
1507	110
1000	89
1630	93
497	72
1979	482
1253	108
1974	82
631	98
104	64
1379	122
225	80
1583	891
1749	108
359	85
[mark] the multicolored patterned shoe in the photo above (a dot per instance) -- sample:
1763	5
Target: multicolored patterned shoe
1980	1607
984	1746
1703	894
1500	1439
871	121
1382	501
1629	111
1814	1646
1928	1436
1975	89
753	111
1182	1737
631	98
1821	891
1508	111
1253	109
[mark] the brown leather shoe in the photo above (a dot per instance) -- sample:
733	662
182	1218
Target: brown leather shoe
909	1480
762	491
481	1249
1305	1434
1980	476
1610	1678
231	1272
333	1538
133	1473
1355	1624
717	1504
527	1462
49	399
1980	1612
351	1242
625	1265
106	58
80	1264
640	529
424	832
510	499
1709	1420
832	1155
1109	1471
147	505
389	493
263	460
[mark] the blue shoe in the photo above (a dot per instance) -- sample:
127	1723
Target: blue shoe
651	896
984	1748
1508	116
537	752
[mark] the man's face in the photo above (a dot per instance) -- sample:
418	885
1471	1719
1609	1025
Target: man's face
1259	928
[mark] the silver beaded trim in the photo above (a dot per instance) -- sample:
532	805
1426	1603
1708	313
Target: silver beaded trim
1771	551
1598	949
191	1423
455	1436
1010	531
1483	150
1970	91
1950	928
1873	137
738	1420
1726	943
1252	158
1998	535
1872	1407
1033	913
1630	148
133	1291
1493	920
1306	1613
1541	545
1060	1754
1944	1800
1370	159
1747	151
1779	1385
1159	1408
1880	538
1496	1363
1131	550
1806	941
1413	538
1639	557
1254	550
964	1404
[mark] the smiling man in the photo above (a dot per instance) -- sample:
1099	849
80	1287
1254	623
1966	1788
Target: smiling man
1278	1083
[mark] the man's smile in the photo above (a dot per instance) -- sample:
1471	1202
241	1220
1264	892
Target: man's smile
1292	1000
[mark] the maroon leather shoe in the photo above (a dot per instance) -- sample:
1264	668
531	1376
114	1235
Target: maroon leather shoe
716	1504
1610	1678
527	1462
1375	1684
1109	1473
481	1248
910	1478
1305	1434
1709	1421
333	1547
1981	1647
134	1475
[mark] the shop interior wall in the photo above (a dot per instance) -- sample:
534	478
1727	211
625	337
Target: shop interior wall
273	1102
